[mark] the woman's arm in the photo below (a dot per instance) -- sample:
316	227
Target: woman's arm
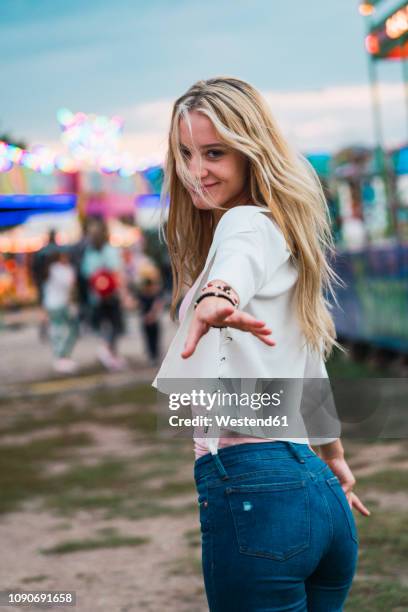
244	260
332	450
248	256
333	454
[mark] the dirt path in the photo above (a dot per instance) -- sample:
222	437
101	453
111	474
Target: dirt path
162	573
153	576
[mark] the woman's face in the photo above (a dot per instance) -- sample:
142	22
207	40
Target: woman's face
220	170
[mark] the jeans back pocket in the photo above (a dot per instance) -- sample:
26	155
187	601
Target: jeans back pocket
335	486
271	520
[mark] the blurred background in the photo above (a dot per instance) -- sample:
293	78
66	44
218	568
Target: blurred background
92	499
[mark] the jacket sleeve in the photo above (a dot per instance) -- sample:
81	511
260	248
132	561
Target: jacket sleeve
247	256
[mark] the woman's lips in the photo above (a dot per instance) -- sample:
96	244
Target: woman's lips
204	188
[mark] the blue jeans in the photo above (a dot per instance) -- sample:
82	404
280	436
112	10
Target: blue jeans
277	531
63	331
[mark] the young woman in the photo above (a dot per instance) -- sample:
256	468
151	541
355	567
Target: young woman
248	231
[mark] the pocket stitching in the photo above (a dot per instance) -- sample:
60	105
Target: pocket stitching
256	473
267	487
333	480
274	556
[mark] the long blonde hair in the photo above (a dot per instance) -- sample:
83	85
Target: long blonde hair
279	179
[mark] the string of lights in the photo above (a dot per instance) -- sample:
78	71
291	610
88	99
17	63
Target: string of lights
92	142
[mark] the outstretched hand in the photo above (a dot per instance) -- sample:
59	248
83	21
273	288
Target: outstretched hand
217	312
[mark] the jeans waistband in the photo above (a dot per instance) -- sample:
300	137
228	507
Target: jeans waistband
231	454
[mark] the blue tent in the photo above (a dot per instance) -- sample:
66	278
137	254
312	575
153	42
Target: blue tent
16	209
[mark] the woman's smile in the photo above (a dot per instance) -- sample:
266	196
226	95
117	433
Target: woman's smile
210	185
205	188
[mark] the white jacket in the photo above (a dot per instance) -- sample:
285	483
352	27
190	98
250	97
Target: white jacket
249	253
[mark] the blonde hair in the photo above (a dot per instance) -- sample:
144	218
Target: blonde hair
279	179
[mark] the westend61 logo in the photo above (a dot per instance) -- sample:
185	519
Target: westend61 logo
206	400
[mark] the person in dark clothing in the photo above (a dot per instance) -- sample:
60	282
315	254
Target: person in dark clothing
150	302
39	271
40	263
77	252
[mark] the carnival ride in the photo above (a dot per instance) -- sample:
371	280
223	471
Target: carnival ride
372	189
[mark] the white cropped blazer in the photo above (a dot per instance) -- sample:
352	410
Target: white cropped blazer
248	252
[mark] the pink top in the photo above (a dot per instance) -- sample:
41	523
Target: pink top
227	438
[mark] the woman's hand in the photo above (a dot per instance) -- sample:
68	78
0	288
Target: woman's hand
217	312
340	468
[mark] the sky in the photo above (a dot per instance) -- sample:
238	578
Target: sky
135	57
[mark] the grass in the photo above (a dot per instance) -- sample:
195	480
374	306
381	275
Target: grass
193	537
389	481
108	541
378	595
132	503
188	565
22	467
143	394
383	543
139	417
171	488
341	365
142	422
381	406
380	583
37	578
115	487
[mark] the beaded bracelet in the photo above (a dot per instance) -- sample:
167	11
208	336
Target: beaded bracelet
215	294
225	289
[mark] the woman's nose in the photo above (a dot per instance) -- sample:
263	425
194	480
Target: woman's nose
197	166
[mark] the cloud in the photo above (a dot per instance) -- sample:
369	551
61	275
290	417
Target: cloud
147	116
324	119
334	117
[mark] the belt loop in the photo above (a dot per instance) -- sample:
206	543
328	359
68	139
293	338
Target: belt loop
295	452
221	469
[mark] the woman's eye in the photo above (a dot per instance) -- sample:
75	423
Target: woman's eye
185	153
214	153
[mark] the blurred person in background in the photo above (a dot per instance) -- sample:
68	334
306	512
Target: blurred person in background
77	251
102	267
39	265
149	295
129	259
58	291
